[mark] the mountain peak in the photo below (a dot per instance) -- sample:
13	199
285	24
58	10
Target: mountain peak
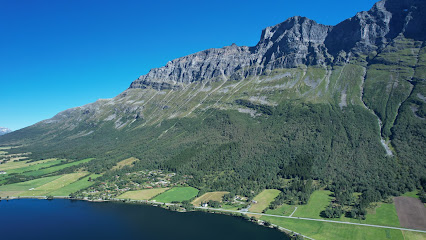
4	130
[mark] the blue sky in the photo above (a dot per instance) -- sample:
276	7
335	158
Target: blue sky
59	54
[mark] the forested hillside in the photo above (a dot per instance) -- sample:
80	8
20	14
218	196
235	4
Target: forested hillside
341	105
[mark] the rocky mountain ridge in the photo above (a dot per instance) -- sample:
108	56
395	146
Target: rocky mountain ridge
296	41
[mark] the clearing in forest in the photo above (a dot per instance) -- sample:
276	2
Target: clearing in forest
214	196
125	162
144	194
177	194
318	202
263	199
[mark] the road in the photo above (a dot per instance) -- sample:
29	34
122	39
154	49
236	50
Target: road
313	219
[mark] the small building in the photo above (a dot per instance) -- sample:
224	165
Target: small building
204	205
3	172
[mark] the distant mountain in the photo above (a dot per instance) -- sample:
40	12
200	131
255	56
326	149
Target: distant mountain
4	130
344	105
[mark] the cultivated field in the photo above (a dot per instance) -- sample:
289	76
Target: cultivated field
54	185
411	212
335	231
214	196
125	162
17	188
75	186
30	167
55	168
13	165
145	194
318	201
177	194
284	210
413	235
263	200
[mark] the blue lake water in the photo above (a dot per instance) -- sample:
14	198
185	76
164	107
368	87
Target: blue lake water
66	219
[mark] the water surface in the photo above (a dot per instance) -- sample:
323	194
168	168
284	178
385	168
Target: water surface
66	219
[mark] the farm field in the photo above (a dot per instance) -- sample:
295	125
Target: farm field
75	186
214	196
29	167
13	165
284	210
335	231
55	168
318	201
125	162
145	194
17	188
411	212
54	185
178	194
263	200
382	214
413	235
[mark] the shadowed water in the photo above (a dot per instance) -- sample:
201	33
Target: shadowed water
66	219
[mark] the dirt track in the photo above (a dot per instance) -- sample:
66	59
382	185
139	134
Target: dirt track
411	212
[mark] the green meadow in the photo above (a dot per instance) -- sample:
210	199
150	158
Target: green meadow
263	200
75	186
177	194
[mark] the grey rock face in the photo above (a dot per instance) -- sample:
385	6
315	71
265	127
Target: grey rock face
296	41
4	130
208	64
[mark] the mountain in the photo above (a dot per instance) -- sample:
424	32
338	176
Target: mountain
344	105
4	130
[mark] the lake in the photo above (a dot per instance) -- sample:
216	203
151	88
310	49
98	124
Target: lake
67	219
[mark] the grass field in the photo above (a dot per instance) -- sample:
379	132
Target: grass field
29	167
413	235
54	185
17	188
284	210
412	194
75	186
318	201
145	194
215	196
13	165
334	231
44	171
263	200
177	194
384	214
125	162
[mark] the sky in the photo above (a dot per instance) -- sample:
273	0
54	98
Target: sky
59	54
